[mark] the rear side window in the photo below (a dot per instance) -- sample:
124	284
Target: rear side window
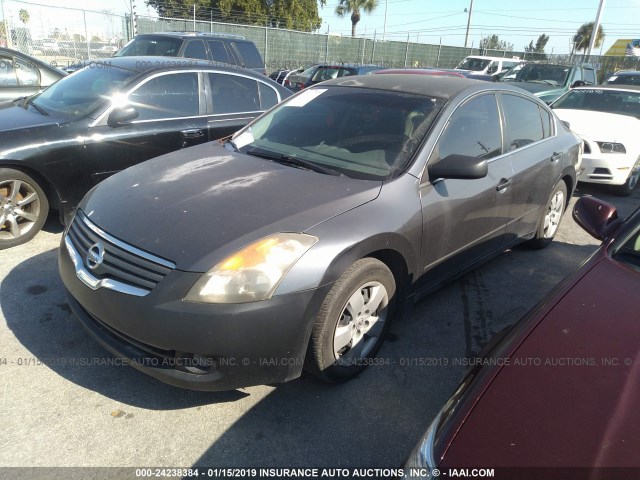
524	124
590	76
250	55
546	122
268	96
219	51
27	73
196	49
7	72
161	46
167	96
473	130
233	94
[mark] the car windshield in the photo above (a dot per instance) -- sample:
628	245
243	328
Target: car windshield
362	133
629	252
623	79
79	94
600	100
155	46
555	75
473	64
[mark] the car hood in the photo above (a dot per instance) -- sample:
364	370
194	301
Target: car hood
601	126
569	396
198	205
15	118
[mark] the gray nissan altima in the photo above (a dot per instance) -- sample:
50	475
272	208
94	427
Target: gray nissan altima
291	245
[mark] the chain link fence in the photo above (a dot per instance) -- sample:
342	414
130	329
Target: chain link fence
64	36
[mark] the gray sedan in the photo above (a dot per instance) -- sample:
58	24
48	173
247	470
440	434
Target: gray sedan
22	75
293	245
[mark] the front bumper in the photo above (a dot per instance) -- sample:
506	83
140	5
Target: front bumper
608	169
193	345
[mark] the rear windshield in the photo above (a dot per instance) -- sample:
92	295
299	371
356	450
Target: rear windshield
600	100
154	46
555	75
250	55
625	79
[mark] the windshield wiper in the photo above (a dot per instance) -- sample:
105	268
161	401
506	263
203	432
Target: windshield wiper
291	161
41	110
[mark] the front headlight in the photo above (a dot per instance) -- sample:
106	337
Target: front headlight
610	147
253	273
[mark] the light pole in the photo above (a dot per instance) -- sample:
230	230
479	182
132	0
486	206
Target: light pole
384	29
466	37
594	32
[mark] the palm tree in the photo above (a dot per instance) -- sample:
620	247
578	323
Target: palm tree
583	36
23	15
354	7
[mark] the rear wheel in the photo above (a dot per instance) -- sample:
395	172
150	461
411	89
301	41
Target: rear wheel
23	208
353	321
551	217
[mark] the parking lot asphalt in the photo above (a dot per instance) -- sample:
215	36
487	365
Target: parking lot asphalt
64	403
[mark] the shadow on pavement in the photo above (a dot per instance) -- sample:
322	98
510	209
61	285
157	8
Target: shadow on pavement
33	303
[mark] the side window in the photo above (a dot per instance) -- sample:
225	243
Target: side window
546	122
7	73
233	94
27	73
590	76
473	130
250	56
196	49
345	72
268	96
577	75
524	124
219	51
167	96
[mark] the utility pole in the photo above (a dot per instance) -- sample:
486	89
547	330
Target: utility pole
384	30
596	26
466	37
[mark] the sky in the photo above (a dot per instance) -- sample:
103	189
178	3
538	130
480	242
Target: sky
517	22
426	21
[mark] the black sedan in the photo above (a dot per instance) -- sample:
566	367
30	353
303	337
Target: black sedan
22	75
217	267
57	145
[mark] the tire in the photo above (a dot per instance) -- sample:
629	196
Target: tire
627	187
551	217
342	342
23	208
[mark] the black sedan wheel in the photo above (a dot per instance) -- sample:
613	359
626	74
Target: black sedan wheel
23	208
627	187
551	216
352	321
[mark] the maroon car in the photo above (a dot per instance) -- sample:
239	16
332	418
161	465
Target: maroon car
561	388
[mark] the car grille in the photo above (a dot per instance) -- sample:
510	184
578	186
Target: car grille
120	262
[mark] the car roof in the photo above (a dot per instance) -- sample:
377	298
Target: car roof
192	34
434	85
151	63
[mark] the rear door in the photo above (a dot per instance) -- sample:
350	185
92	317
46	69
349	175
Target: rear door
536	165
464	220
171	116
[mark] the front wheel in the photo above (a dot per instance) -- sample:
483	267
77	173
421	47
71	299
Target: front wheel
627	187
353	321
23	208
551	217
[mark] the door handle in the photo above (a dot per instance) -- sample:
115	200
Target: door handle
556	156
504	183
192	133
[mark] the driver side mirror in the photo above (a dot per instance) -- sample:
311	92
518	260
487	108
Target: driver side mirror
121	116
578	83
460	167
